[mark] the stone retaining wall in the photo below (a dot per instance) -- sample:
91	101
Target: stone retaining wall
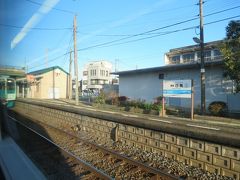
212	157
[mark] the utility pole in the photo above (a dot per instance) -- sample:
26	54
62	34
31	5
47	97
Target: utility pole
75	58
26	67
203	103
70	76
46	57
116	65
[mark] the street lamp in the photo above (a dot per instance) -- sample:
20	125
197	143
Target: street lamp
196	40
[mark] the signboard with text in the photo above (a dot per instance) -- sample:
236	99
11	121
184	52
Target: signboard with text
177	88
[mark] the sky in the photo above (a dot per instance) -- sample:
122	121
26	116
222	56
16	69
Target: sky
131	34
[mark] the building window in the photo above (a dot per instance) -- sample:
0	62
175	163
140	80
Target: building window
207	55
93	72
217	55
175	60
107	73
85	73
161	76
187	58
93	82
85	82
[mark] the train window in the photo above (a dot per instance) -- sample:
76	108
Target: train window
10	85
2	85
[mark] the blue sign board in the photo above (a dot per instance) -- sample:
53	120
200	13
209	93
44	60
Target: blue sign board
177	88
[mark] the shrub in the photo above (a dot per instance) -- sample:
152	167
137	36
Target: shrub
122	98
147	106
122	101
218	108
157	106
112	98
100	99
140	104
112	101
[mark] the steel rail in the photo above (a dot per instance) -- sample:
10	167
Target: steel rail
86	165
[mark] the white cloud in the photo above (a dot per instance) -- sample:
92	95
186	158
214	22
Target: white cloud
33	21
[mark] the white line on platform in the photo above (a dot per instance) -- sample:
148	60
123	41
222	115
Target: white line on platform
133	115
169	122
107	111
204	127
129	115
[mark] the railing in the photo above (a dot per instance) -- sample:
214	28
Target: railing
206	59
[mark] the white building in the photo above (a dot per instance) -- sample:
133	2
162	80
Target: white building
181	63
96	74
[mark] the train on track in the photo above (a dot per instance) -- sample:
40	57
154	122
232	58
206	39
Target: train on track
8	90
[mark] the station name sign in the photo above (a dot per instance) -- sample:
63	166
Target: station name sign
177	88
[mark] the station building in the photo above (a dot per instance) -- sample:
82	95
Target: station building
180	64
48	83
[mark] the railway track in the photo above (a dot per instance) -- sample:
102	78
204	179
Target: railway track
53	160
97	160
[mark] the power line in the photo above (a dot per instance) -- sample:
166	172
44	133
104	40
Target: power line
160	34
156	29
181	22
139	34
51	60
57	9
166	33
68	50
213	22
224	10
184	29
149	37
34	28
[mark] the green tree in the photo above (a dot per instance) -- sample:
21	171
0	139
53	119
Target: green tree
231	53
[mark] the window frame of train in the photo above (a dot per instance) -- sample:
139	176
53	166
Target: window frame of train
7	94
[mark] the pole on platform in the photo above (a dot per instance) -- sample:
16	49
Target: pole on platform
192	100
202	71
75	59
70	77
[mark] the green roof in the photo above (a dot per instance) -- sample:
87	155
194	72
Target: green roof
42	71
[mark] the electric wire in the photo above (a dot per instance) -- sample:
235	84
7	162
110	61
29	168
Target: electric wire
171	25
170	32
166	33
53	59
58	57
56	9
107	44
36	28
160	34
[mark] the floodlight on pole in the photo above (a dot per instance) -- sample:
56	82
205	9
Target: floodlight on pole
196	40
